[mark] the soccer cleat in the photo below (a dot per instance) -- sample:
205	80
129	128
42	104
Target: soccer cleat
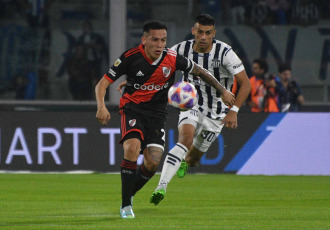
182	171
127	212
157	196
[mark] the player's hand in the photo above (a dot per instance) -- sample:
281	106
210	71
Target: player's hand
230	120
121	85
228	98
103	115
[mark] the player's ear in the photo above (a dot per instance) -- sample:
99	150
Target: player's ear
193	30
214	33
143	40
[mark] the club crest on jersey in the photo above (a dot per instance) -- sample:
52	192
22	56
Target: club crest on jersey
117	63
132	122
166	71
215	63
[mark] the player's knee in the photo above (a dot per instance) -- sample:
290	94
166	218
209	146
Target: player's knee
186	135
131	152
186	141
152	157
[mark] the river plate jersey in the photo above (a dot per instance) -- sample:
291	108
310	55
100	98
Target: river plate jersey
148	81
223	63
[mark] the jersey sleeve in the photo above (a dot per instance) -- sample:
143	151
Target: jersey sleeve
175	47
117	69
232	62
184	64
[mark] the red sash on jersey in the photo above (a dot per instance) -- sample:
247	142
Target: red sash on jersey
156	82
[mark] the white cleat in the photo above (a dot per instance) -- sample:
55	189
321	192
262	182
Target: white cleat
127	212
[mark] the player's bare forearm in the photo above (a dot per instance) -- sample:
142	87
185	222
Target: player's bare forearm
208	78
244	89
102	114
100	90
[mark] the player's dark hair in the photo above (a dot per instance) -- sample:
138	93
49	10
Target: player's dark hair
283	67
205	20
154	25
262	63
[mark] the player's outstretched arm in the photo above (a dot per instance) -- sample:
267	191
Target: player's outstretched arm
102	114
227	97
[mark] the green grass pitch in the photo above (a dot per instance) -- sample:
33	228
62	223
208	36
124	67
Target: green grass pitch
92	201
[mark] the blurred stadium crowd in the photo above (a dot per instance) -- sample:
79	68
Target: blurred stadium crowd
34	68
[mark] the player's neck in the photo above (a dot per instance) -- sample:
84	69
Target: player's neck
200	50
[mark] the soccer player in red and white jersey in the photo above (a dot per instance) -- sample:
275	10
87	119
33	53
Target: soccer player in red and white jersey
200	126
150	70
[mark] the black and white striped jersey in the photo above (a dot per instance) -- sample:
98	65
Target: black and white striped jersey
223	63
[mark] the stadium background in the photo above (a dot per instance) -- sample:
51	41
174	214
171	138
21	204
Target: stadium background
38	133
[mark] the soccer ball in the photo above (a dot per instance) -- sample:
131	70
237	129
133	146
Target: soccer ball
182	95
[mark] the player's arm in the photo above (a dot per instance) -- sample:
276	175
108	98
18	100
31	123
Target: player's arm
102	113
227	97
230	119
115	71
244	88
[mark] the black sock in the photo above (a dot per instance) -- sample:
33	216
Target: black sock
142	177
128	175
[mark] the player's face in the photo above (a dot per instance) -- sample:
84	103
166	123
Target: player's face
203	37
154	43
285	75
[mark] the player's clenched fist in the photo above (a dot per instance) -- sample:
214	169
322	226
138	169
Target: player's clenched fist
103	115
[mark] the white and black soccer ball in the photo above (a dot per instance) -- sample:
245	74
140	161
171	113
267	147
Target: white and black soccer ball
182	95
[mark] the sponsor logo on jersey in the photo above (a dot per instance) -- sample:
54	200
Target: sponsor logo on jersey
132	122
166	71
117	63
151	87
139	74
215	63
236	66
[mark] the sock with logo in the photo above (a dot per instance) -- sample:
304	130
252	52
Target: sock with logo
142	177
172	164
128	175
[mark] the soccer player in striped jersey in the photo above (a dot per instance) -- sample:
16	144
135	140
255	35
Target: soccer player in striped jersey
200	126
150	70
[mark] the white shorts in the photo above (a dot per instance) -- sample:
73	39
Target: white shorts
207	129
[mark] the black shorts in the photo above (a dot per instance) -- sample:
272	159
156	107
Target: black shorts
149	130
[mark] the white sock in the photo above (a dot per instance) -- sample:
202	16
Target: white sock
172	164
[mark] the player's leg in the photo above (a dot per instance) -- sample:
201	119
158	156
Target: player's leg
153	145
152	156
128	175
176	154
171	165
193	156
132	136
206	133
